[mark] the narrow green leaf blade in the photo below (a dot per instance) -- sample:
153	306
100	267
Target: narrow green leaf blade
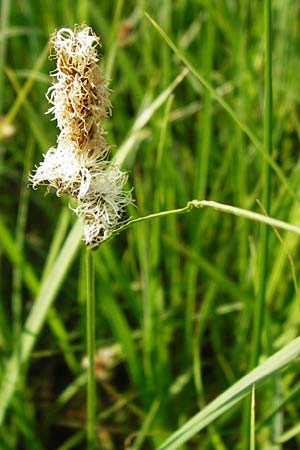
232	395
37	316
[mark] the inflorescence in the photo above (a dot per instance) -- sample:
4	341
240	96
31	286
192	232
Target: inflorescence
79	165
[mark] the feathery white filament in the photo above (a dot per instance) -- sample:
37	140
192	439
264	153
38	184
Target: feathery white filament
77	166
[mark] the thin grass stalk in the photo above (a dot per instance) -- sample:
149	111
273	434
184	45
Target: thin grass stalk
203	157
90	327
113	42
37	316
241	172
252	423
221	207
20	239
229	398
259	311
243	126
4	24
166	64
261	298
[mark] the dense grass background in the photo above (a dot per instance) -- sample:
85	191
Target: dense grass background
185	305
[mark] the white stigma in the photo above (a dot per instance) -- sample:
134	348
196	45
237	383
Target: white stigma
78	165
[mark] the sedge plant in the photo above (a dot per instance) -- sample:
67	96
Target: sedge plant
79	166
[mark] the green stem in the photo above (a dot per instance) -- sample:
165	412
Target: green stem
259	308
90	322
228	209
243	126
4	25
260	305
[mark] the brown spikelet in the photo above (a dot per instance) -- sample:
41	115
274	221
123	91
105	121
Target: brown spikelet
78	165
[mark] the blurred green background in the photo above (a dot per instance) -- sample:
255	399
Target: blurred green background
176	298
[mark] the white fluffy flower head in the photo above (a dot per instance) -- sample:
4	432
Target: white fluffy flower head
78	165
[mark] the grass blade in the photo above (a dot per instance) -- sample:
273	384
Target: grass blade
48	290
144	117
233	395
255	141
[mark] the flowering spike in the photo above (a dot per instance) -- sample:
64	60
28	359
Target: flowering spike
78	165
